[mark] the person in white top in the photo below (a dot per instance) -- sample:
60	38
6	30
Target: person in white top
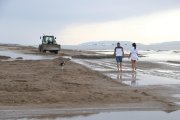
119	54
134	56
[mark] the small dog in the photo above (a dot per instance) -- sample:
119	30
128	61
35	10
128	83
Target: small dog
63	62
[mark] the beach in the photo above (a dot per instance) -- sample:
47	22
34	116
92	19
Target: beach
44	84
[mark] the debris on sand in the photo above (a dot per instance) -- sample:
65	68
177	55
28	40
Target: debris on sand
19	58
4	57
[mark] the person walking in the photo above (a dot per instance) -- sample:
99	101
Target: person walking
119	54
134	56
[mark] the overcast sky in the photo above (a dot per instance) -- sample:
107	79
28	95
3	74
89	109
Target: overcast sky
77	21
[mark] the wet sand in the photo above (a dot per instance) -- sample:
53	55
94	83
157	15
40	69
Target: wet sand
40	84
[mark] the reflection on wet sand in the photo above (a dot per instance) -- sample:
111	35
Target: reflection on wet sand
132	79
119	76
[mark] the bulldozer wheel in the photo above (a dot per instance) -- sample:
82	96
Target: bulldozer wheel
40	50
56	52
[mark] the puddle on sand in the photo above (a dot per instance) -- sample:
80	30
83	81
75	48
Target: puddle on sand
176	95
178	103
15	55
126	115
138	78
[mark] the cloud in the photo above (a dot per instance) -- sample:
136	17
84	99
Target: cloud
19	18
70	11
157	27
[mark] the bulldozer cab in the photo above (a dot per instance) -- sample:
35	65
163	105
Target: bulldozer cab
49	40
49	44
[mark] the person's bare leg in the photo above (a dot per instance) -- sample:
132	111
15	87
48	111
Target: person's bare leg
120	66
135	65
132	64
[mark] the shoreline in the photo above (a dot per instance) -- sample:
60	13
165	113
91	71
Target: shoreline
55	112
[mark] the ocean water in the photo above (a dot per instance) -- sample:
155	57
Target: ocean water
162	56
151	55
15	55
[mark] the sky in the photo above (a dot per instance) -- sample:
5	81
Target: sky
78	21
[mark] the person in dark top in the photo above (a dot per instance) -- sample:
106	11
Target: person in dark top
119	54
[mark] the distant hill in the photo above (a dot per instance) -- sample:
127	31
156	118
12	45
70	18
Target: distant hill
100	45
109	45
105	43
174	45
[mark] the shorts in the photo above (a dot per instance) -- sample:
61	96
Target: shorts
118	59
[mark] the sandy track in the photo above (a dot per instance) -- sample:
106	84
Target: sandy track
38	82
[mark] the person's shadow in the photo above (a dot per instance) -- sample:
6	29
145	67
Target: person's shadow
133	81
